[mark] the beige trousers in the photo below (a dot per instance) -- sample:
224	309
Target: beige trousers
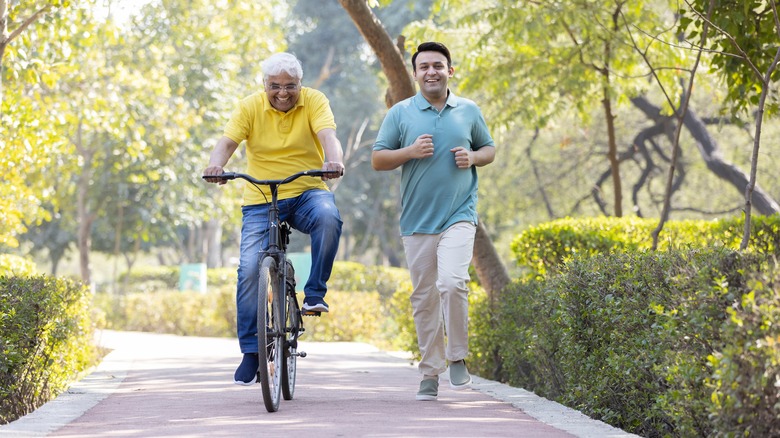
439	268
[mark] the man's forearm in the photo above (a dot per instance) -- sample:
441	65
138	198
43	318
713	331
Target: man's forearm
484	155
222	152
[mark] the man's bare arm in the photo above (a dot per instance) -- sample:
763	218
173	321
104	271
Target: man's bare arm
219	157
334	155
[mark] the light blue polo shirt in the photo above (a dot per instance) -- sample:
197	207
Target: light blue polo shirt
435	193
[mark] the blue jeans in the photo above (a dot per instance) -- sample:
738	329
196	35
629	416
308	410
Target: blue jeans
314	213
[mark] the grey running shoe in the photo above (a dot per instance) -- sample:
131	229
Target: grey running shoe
459	375
429	390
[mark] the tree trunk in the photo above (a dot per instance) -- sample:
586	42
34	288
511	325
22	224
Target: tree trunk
85	217
749	190
390	57
609	116
490	269
614	164
85	229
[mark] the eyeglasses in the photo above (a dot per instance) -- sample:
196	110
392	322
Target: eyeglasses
288	87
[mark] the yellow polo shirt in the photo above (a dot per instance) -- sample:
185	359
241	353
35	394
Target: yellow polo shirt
279	144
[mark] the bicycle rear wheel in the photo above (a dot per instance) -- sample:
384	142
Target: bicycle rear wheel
292	329
270	317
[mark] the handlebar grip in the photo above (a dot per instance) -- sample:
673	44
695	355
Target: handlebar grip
329	173
225	176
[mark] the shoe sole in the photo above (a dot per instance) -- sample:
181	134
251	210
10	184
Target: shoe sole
315	308
426	397
461	386
242	383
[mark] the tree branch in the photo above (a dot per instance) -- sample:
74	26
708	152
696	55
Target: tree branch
25	24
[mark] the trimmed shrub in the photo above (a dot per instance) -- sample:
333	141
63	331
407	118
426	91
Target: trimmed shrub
171	312
546	246
676	343
150	279
359	297
45	340
352	276
405	334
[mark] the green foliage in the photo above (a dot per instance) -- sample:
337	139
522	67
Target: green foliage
674	343
29	121
745	370
401	313
743	39
722	378
544	247
15	266
353	317
171	311
346	276
352	276
546	58
128	134
359	296
515	340
45	340
150	279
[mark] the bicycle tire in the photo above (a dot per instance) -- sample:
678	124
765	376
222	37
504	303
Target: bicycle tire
270	311
292	330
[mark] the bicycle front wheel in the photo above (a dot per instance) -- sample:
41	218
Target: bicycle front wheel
270	332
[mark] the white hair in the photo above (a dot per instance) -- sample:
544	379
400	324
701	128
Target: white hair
282	62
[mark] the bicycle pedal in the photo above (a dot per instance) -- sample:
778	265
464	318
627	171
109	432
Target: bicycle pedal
310	313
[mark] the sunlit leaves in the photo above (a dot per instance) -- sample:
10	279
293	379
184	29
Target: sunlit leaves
28	123
539	58
128	110
744	41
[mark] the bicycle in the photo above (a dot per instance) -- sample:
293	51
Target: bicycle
278	310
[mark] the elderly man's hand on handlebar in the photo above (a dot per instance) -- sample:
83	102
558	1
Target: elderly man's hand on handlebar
335	170
214	171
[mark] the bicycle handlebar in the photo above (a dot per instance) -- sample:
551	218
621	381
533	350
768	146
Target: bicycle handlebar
268	182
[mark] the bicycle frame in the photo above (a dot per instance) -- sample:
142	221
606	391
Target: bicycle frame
279	232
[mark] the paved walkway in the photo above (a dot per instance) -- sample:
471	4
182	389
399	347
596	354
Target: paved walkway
154	385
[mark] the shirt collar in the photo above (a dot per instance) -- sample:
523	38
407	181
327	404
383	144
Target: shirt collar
423	103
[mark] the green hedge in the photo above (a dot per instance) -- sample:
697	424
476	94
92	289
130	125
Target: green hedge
173	312
15	266
548	245
677	343
346	276
352	276
359	296
45	340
